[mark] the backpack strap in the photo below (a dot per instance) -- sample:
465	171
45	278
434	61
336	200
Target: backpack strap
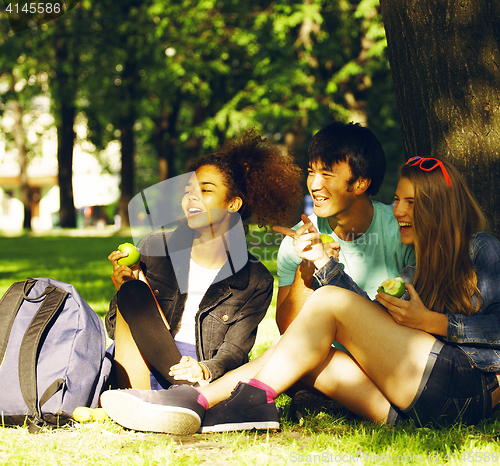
9	307
29	349
51	390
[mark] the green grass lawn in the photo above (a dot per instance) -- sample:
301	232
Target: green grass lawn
81	261
319	439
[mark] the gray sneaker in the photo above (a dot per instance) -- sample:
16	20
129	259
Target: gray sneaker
173	411
247	408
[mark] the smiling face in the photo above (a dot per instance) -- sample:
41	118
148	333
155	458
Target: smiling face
205	202
403	209
330	189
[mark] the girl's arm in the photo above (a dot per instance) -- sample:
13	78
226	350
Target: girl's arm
483	328
332	274
480	329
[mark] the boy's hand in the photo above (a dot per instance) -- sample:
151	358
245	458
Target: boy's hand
308	245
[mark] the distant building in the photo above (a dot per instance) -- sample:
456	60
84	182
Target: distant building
91	186
89	190
42	205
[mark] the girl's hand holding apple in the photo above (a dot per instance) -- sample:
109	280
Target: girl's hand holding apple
125	263
413	313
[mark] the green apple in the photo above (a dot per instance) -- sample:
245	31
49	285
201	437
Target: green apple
133	254
98	414
393	287
82	414
326	238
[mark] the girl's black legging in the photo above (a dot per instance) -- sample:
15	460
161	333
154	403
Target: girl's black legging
138	308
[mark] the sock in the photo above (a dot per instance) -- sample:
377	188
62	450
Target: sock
270	392
201	399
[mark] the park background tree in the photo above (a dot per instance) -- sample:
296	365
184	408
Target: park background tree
445	63
24	81
171	80
53	50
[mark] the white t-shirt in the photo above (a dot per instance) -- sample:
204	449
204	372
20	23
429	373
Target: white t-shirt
375	256
199	281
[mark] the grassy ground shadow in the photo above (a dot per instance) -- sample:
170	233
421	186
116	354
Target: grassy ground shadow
316	439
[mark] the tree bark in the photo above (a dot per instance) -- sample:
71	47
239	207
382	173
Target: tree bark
445	58
64	96
65	142
22	155
128	168
165	138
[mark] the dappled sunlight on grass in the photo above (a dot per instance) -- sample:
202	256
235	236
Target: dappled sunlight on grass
76	260
82	261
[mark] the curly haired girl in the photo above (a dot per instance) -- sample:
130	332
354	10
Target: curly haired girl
212	292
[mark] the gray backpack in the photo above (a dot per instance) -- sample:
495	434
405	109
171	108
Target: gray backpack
52	354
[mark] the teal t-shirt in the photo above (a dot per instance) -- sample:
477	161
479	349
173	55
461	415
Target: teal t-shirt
370	259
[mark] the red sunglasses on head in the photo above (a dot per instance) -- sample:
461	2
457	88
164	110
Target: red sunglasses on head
429	164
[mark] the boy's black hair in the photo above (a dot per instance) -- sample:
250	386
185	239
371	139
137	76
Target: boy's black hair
354	144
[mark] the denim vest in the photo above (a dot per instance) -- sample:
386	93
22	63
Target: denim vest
477	335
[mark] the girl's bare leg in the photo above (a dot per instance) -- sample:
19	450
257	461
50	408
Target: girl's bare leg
392	356
338	376
131	369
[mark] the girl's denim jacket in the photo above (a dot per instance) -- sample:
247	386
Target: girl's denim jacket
477	335
232	308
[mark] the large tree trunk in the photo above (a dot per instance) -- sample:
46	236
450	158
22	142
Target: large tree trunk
64	96
128	168
20	141
127	138
65	142
165	139
445	59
